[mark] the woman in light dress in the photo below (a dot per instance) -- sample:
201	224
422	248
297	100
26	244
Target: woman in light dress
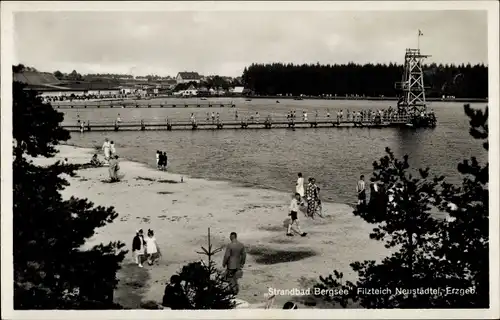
299	187
152	250
106	147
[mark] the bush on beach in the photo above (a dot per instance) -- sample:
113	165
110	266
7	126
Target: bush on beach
428	252
51	270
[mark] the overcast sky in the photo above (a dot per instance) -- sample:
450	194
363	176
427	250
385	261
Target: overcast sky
223	43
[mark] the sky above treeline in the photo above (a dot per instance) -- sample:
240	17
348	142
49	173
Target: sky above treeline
223	43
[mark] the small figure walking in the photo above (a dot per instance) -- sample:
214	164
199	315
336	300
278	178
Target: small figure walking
312	197
234	261
106	147
114	167
158	153
361	189
138	247
299	186
294	219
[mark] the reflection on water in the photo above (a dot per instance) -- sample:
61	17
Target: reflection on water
272	158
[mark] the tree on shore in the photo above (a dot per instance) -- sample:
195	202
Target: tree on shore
199	285
59	75
51	269
450	255
371	80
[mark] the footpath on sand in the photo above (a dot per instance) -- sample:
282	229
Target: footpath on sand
181	212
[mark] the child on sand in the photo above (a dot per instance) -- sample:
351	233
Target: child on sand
294	219
95	161
152	250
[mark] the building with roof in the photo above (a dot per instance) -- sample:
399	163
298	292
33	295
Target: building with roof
94	88
185	77
48	85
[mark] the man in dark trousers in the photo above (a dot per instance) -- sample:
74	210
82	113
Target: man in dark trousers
138	247
234	260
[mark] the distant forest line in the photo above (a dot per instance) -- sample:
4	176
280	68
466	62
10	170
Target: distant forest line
371	80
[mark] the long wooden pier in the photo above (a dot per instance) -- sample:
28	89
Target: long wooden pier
141	125
143	104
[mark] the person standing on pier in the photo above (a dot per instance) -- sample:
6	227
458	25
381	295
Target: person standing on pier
257	116
213	117
118	119
208	116
193	119
361	189
294	219
236	115
312	197
82	126
106	147
218	118
305	116
327	113
234	261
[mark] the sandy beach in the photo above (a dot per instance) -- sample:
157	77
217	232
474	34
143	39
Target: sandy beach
180	214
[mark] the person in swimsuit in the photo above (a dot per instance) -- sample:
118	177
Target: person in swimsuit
294	219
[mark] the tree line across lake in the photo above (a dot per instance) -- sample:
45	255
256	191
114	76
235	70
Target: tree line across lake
371	80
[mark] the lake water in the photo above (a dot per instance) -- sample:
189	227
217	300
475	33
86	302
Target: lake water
272	158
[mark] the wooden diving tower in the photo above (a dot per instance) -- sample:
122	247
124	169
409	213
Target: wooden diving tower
412	90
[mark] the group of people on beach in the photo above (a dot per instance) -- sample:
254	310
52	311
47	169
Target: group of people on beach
161	160
379	196
109	149
305	199
145	248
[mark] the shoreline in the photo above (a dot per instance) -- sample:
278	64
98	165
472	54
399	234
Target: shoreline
208	99
181	213
237	184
